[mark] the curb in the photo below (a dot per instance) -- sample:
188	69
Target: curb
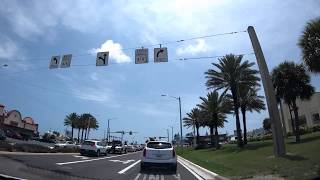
202	172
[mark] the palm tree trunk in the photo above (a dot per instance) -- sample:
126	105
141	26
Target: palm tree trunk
211	136
72	133
244	121
197	140
78	135
296	117
236	111
82	134
292	121
217	137
88	133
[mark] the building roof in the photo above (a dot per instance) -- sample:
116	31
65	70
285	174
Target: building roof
28	120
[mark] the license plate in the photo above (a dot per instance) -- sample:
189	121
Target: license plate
159	155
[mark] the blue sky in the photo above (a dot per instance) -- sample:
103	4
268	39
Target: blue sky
33	31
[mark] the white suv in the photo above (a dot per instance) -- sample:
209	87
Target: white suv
93	147
159	153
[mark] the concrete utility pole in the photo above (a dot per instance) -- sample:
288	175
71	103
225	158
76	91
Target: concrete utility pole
279	146
181	140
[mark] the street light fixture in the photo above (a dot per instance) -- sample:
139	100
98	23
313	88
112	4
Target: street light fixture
179	99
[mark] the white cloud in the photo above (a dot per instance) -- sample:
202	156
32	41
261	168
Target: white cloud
8	49
92	94
115	51
192	49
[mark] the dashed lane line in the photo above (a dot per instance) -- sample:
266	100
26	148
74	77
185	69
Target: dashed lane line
127	168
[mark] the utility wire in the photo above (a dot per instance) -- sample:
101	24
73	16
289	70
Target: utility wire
132	62
137	47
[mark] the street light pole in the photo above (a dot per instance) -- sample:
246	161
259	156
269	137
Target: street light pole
180	121
179	99
108	131
279	145
168	135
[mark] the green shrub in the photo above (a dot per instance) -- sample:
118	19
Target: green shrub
316	128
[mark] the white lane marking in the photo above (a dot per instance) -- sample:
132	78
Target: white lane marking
192	172
177	176
162	177
10	177
82	157
144	177
123	162
137	177
127	168
89	160
154	177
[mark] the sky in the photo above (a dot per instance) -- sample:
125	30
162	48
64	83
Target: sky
128	93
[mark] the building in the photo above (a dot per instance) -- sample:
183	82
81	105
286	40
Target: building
12	122
309	111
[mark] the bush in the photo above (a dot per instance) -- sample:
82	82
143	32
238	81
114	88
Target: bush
316	128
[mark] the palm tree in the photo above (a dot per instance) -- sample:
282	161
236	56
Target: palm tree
215	107
71	120
230	74
93	125
309	42
249	101
193	119
292	82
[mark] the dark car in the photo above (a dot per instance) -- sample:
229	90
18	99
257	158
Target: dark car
14	135
2	135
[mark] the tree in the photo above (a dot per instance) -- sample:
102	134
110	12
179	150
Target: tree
193	119
230	74
267	124
291	82
71	120
309	42
215	108
249	101
84	125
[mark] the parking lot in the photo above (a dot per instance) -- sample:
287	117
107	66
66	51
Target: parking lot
69	166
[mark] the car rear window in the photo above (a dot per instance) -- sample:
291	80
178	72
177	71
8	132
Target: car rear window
159	145
91	143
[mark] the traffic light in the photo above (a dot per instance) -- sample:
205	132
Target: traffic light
130	133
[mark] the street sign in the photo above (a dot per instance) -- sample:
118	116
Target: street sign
54	63
141	56
66	61
102	58
160	55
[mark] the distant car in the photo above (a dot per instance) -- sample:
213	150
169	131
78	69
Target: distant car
93	147
131	148
2	135
159	153
66	144
109	146
118	147
14	135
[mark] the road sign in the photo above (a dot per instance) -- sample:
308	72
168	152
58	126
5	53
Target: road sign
141	56
54	63
160	55
66	61
102	58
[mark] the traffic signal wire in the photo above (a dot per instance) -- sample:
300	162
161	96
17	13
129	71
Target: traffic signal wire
132	48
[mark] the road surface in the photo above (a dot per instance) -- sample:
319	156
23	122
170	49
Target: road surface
74	166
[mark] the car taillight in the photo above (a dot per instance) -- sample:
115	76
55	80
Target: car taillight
173	153
144	152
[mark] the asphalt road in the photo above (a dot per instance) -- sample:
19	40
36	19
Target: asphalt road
72	166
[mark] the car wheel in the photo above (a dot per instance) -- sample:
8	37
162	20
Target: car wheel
98	153
142	167
174	168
